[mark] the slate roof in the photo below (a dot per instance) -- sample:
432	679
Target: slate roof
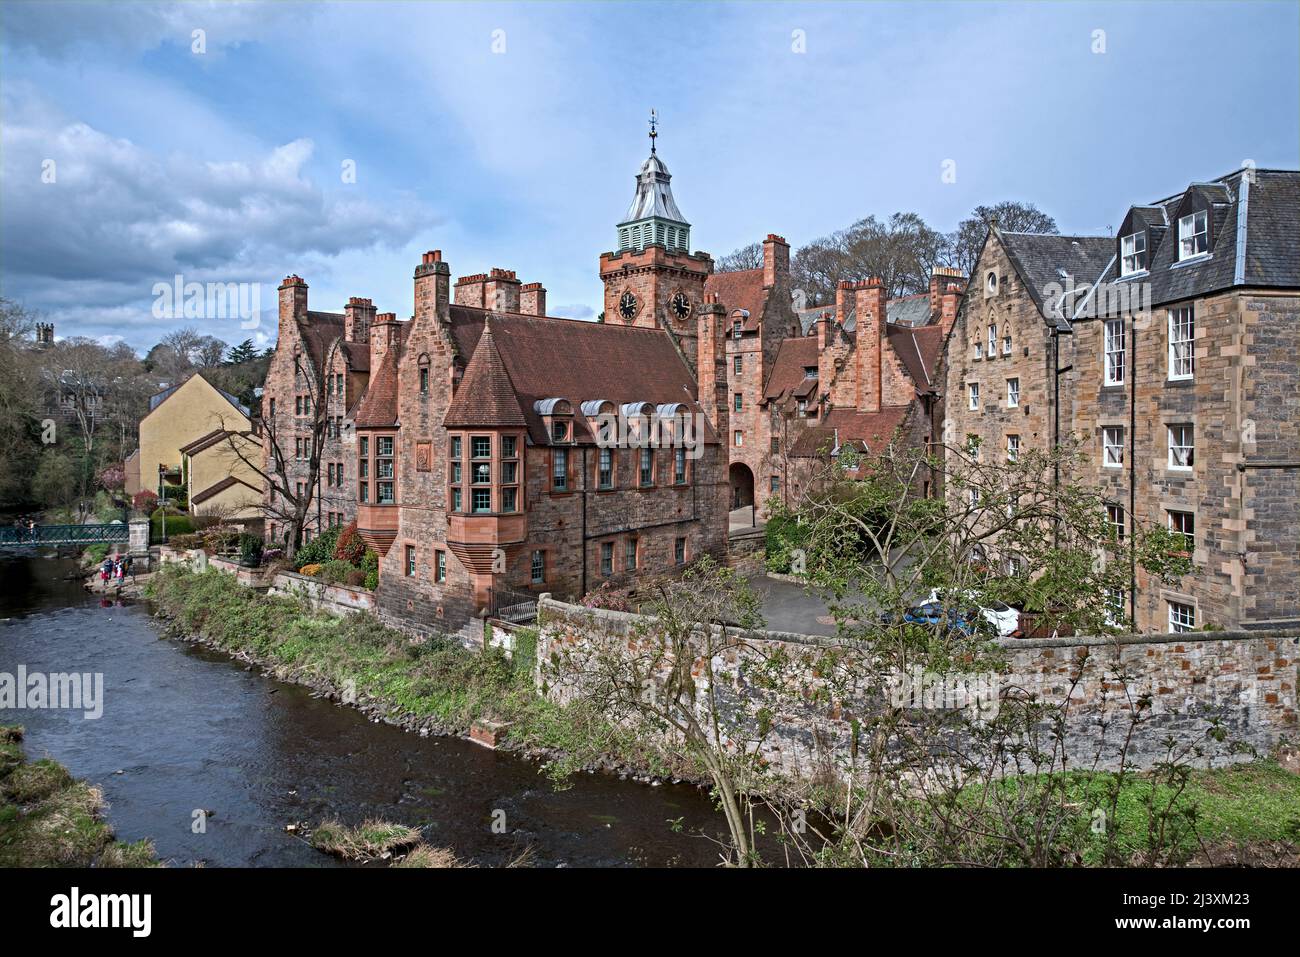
809	316
873	429
919	349
1270	208
909	310
1040	259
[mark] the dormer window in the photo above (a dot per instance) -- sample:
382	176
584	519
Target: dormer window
1193	234
559	430
1133	254
810	372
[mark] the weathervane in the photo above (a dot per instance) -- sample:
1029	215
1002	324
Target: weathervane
654	120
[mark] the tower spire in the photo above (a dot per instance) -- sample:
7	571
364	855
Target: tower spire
654	132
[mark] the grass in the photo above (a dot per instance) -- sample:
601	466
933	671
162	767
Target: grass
48	819
369	840
433	679
425	855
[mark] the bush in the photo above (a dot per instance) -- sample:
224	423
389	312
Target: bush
319	549
356	578
372	579
335	571
144	501
609	597
176	525
97	552
185	541
351	548
370	562
782	538
250	549
311	569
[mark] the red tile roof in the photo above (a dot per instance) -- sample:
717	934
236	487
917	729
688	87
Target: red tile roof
792	358
378	406
742	289
873	428
485	397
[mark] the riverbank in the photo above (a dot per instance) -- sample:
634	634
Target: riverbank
48	819
428	687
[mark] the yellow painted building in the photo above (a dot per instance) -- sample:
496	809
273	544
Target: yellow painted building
219	480
177	418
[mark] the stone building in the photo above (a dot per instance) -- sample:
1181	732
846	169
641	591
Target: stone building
1170	352
866	372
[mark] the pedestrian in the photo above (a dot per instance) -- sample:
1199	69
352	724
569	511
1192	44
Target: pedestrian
104	569
127	568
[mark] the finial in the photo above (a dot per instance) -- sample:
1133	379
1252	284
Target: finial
654	121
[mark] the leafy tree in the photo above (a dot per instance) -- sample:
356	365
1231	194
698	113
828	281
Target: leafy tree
56	482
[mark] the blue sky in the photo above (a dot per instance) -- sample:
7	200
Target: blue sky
226	165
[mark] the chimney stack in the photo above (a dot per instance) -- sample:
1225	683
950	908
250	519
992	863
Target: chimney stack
501	292
383	337
358	314
469	290
870	304
293	304
940	279
532	299
432	289
711	361
776	260
948	306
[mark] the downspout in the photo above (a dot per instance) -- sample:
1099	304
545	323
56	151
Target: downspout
584	520
1131	371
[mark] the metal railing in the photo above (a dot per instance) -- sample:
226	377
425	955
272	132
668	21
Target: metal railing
15	536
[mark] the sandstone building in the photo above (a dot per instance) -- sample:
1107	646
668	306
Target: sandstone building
1170	352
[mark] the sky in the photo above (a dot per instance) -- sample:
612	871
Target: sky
241	142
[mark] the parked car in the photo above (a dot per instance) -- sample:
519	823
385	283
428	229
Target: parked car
966	621
1004	619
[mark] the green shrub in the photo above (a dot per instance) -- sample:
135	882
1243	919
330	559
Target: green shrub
782	538
319	550
176	525
250	549
97	552
336	571
372	579
370	562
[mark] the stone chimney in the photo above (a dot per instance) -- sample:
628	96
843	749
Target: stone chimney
432	289
293	304
870	304
843	300
384	333
776	260
358	314
948	304
940	279
711	352
501	293
532	299
470	289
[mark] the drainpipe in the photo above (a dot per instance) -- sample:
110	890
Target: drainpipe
1056	418
584	522
1131	371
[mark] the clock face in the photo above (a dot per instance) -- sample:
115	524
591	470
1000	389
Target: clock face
627	306
681	306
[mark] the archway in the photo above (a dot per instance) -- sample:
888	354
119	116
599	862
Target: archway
742	485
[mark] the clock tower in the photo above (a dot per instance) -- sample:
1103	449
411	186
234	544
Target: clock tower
653	280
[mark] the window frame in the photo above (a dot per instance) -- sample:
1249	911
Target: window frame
1182	350
1191	236
1186	434
1182	616
1114	360
1139	255
1108	460
1013	392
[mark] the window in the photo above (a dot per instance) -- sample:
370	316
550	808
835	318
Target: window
647	467
559	469
363	492
455	446
737	402
1006	342
537	567
329	475
810	372
439	566
1193	235
1112	444
737	365
509	499
1114	351
456	500
1115	518
629	555
1013	393
775	485
509	445
273	416
776	445
979	350
1133	254
973	393
384	469
991	283
679	466
559	431
993	340
482	499
973	496
738	437
1116	600
607	558
1013	448
973	447
735	328
679	551
481	447
1182	349
605	469
1181	617
424	380
410	561
509	474
1182	447
365	445
1184	523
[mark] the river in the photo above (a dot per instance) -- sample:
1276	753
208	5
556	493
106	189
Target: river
184	728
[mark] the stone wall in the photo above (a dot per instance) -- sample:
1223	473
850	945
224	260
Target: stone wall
335	599
1245	679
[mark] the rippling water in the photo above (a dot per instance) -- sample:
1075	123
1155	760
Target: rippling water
184	729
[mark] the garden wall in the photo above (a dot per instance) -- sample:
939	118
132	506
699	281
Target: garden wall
1179	684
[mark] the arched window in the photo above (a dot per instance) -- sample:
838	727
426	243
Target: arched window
991	283
423	364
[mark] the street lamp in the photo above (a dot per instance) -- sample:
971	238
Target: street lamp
162	500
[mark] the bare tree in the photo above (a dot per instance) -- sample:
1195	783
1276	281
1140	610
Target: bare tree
965	242
746	257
